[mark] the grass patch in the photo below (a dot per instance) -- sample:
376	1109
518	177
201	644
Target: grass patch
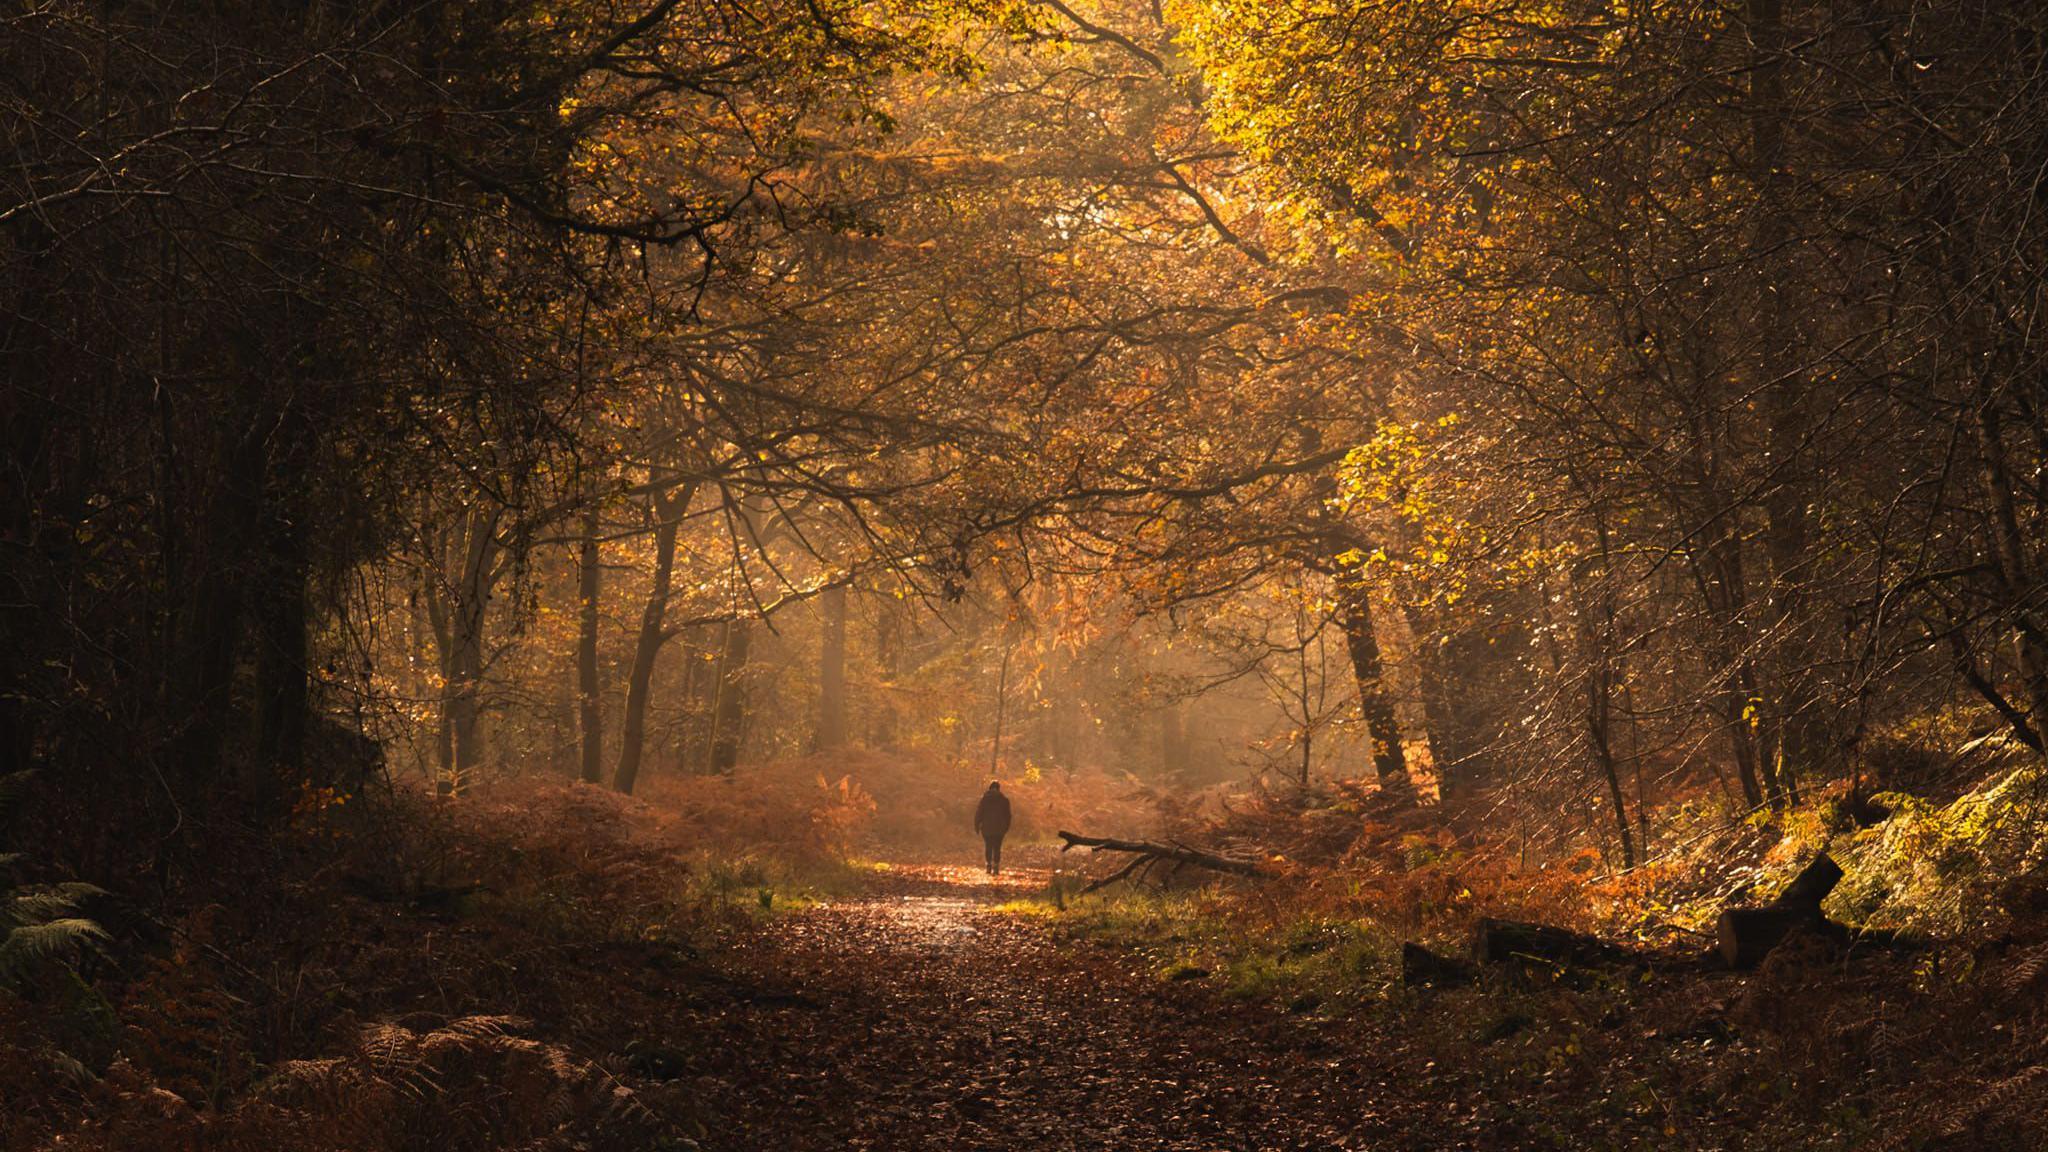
1303	963
759	885
1028	906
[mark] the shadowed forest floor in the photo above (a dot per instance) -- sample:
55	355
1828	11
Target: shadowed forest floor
535	973
934	1013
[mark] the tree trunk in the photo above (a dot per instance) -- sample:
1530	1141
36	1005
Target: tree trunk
463	651
1446	730
728	718
464	720
1726	598
444	647
212	627
1599	693
1354	615
888	653
700	690
1173	738
1063	718
995	746
1738	719
2014	564
831	731
1784	390
1447	751
281	675
1597	643
1421	968
589	701
633	729
1747	935
1149	852
1375	703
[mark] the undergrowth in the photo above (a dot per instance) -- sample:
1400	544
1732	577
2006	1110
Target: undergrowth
1302	962
397	974
519	967
1928	1035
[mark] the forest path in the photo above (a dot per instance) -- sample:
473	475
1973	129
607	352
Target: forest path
923	1016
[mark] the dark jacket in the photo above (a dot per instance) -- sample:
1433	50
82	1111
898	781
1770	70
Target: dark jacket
992	818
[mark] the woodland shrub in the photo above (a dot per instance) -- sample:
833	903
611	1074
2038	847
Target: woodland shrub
400	978
1947	870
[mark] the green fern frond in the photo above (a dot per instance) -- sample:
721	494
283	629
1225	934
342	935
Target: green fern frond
33	908
39	905
34	944
38	924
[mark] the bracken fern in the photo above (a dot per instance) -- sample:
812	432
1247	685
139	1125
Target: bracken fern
37	923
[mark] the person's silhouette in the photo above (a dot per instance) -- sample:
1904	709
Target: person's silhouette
992	820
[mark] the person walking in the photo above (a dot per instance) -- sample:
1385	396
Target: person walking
992	820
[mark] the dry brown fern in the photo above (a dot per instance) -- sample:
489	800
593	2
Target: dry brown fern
2007	1115
2011	1113
472	1082
2026	971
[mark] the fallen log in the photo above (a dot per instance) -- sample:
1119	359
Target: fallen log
1147	853
1421	967
1495	941
1747	935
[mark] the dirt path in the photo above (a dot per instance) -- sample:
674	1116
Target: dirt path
920	1017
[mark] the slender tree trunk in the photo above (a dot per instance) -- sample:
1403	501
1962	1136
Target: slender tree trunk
465	721
831	731
282	615
589	698
995	747
728	718
281	656
700	684
1596	628
640	682
888	653
1173	738
444	648
463	651
1440	713
1354	615
1738	698
1303	699
1784	390
1057	719
2014	565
